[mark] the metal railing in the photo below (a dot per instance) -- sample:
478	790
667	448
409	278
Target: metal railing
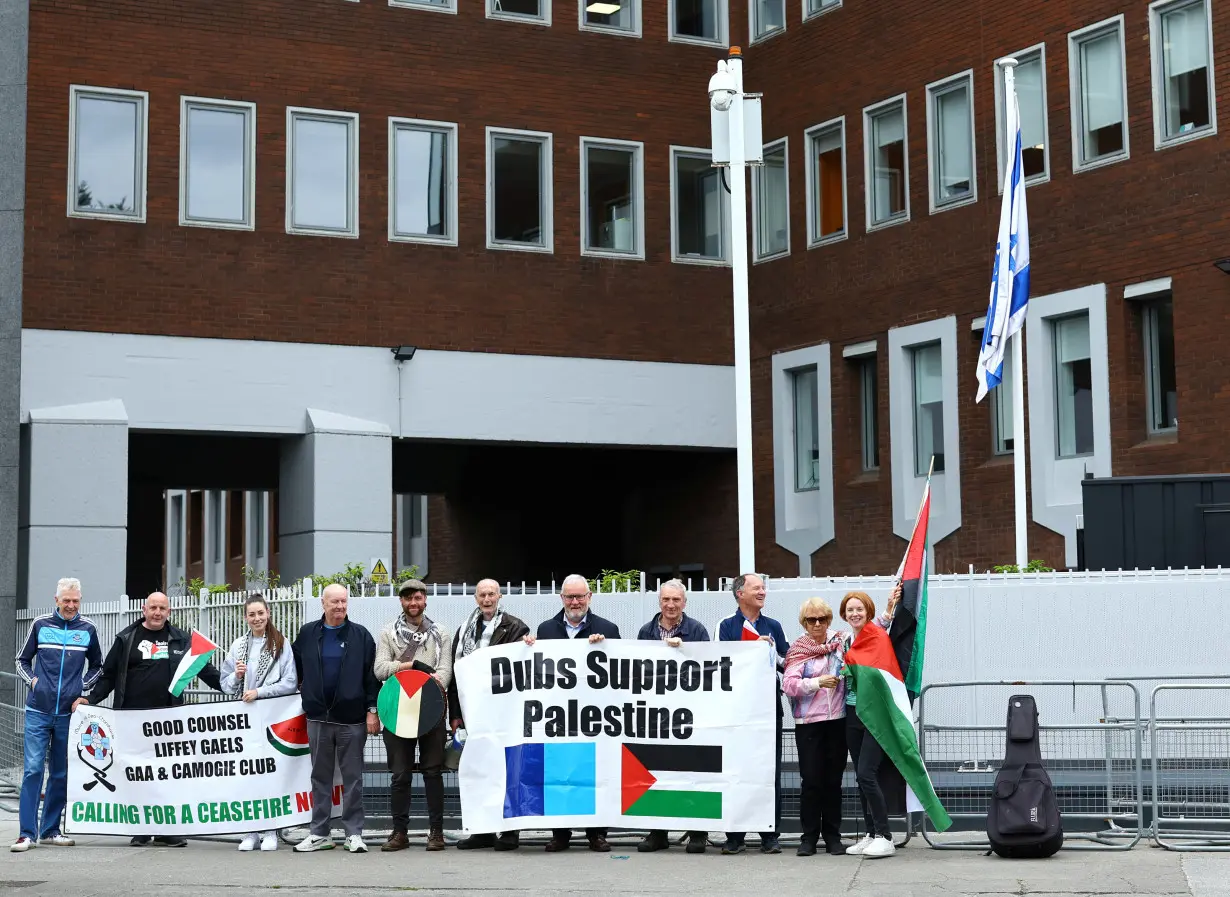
1190	760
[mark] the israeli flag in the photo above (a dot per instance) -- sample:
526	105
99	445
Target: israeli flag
1010	280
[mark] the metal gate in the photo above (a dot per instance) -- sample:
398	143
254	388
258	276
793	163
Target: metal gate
1189	752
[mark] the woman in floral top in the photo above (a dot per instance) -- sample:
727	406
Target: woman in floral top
817	695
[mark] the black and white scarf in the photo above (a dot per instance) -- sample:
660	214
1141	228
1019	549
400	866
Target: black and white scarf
470	641
408	640
262	666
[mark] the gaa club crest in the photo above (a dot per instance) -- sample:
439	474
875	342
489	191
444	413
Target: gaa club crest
95	750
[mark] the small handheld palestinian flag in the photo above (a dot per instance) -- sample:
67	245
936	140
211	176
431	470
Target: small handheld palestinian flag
192	663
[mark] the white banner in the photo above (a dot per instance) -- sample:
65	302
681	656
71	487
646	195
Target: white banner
198	769
629	734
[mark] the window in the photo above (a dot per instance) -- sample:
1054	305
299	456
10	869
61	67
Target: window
256	525
1162	394
537	11
888	174
950	135
1073	386
215	525
412	533
698	21
612	215
699	208
619	16
768	18
234	524
868	399
107	145
826	182
771	200
519	191
815	7
322	167
928	408
434	5
1099	94
1001	411
1183	102
177	530
1031	100
423	181
217	168
196	527
806	431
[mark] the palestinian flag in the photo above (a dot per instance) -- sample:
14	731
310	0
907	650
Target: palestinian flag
193	662
410	704
909	628
644	793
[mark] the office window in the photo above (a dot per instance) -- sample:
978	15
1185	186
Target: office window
815	7
519	190
771	200
868	393
1001	412
537	11
806	431
1099	94
196	527
1073	386
217	163
434	5
1031	100
412	533
928	408
611	15
107	146
887	169
699	207
826	182
698	21
177	532
1182	72
1162	394
423	181
768	18
950	126
612	176
322	166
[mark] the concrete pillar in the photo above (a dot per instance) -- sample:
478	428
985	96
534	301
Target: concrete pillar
335	495
74	509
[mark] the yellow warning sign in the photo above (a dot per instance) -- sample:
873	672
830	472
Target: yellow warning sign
380	571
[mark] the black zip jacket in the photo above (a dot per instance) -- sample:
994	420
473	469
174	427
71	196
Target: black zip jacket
357	687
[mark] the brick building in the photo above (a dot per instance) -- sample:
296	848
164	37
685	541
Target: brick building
222	220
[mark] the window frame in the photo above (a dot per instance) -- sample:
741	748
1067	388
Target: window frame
723	31
1055	323
352	186
543	18
916	407
1075	87
634	31
867	367
141	97
1157	73
546	200
186	105
825	7
755	38
795	374
637	148
1001	140
934	90
449	238
450	6
1001	407
723	198
757	173
810	136
869	113
1149	330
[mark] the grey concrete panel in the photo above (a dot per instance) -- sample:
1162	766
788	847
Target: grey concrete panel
296	481
8	536
14	39
334	550
11	242
95	555
12	144
10	379
353	483
78	475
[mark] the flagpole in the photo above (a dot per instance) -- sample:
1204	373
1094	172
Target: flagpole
1018	367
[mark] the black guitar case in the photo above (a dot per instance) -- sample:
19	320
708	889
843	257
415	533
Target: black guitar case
1023	820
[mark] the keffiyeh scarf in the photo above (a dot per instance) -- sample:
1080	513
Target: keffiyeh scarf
262	666
470	641
409	639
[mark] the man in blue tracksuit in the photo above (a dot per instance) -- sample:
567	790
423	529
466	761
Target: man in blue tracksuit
748	623
61	659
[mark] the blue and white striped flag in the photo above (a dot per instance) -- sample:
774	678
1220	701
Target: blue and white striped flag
1010	280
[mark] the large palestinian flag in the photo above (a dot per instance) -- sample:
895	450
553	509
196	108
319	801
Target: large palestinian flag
884	694
194	660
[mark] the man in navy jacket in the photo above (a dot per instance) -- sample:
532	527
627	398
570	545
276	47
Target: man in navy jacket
749	593
673	626
336	660
575	621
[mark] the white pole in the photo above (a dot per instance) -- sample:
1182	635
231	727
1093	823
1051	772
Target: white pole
1018	350
743	361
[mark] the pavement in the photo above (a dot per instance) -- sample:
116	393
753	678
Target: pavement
108	866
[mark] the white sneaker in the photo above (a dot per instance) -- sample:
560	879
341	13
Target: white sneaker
354	844
314	842
21	845
859	847
248	843
880	847
58	841
269	842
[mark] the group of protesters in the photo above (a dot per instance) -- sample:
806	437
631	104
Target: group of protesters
337	667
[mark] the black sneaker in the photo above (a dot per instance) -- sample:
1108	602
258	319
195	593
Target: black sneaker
139	841
732	847
508	841
169	841
806	849
697	843
653	841
772	845
477	842
835	849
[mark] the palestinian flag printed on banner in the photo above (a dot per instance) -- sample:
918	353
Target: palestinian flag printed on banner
193	662
647	787
884	693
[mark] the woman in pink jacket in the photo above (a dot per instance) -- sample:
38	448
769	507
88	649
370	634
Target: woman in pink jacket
818	697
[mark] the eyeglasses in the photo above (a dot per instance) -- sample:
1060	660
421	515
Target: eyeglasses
816	621
575	597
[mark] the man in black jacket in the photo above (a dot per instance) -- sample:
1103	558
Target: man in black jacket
488	625
336	660
673	626
138	672
575	621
